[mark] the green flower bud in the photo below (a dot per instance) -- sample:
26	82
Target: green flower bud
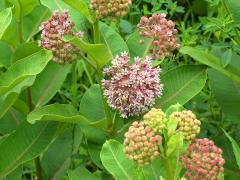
187	123
155	119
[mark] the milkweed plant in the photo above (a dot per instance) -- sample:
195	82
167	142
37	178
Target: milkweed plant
119	89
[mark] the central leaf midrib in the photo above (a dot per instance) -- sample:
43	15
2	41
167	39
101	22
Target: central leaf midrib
23	153
119	165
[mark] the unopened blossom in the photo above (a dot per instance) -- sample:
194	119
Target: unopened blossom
110	8
163	34
155	119
53	30
187	123
131	88
141	143
203	160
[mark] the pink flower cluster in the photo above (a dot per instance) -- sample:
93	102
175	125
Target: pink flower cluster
163	34
110	8
141	143
131	88
53	31
203	160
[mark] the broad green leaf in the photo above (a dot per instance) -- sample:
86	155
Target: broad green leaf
135	47
22	69
226	57
32	21
55	164
125	26
23	7
113	40
5	58
208	59
5	20
171	126
9	98
58	112
26	143
19	76
181	84
92	98
174	144
16	174
10	121
25	49
227	93
236	148
81	173
48	83
152	171
233	7
98	53
174	108
81	7
94	150
11	35
116	162
21	106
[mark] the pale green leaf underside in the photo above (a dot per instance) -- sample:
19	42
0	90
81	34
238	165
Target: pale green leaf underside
24	68
5	20
59	112
99	53
209	60
113	40
120	167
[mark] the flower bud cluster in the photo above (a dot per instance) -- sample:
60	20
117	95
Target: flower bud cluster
187	123
203	160
53	31
163	35
131	88
155	119
110	8
141	143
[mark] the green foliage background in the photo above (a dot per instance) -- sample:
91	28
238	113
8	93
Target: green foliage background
67	125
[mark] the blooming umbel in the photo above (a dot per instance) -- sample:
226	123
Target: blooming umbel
203	160
187	123
110	8
163	33
131	88
155	119
53	31
141	143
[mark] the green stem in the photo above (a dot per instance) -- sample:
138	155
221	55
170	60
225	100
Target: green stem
114	124
167	165
105	105
100	77
96	32
37	159
87	72
19	24
38	168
